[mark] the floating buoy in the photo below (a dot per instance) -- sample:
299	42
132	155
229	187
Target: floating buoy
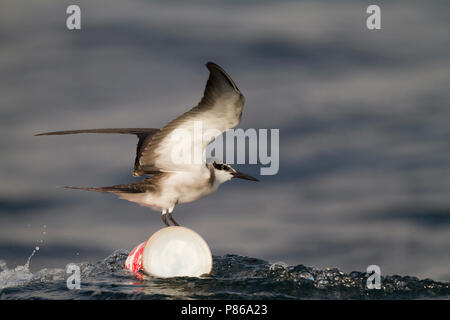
171	252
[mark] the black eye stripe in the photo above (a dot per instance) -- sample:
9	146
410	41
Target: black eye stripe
221	166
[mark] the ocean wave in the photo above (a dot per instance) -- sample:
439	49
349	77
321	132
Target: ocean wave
232	277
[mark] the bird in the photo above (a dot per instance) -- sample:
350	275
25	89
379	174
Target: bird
170	182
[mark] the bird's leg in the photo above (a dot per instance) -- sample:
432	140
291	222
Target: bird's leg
170	217
164	218
173	220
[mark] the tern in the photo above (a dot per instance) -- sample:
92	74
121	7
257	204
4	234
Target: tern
171	183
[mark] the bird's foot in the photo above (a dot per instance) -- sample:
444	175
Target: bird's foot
164	219
173	220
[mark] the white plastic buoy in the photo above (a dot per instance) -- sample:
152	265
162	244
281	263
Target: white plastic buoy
176	252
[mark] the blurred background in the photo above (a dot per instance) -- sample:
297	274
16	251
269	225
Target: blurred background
363	116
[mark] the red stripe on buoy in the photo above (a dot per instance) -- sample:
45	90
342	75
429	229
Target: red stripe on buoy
134	260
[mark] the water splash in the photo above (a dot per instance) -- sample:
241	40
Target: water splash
20	274
27	264
232	277
13	277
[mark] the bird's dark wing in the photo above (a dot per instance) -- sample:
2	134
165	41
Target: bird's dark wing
144	135
219	109
136	131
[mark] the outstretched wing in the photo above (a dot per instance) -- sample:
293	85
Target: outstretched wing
144	135
219	109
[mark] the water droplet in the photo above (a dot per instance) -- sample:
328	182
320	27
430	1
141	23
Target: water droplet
37	248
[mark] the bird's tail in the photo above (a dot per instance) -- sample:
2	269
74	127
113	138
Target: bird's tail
128	192
141	186
101	189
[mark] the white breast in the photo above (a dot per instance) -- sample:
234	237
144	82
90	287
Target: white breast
187	186
177	187
180	187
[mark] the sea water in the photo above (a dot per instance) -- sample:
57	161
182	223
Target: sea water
232	277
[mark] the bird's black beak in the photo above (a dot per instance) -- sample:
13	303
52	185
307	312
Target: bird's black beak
243	176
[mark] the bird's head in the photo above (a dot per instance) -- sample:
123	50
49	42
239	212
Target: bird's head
224	172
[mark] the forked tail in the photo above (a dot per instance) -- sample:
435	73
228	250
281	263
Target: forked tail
142	186
101	189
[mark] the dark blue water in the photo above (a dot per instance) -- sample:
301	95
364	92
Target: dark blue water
232	277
